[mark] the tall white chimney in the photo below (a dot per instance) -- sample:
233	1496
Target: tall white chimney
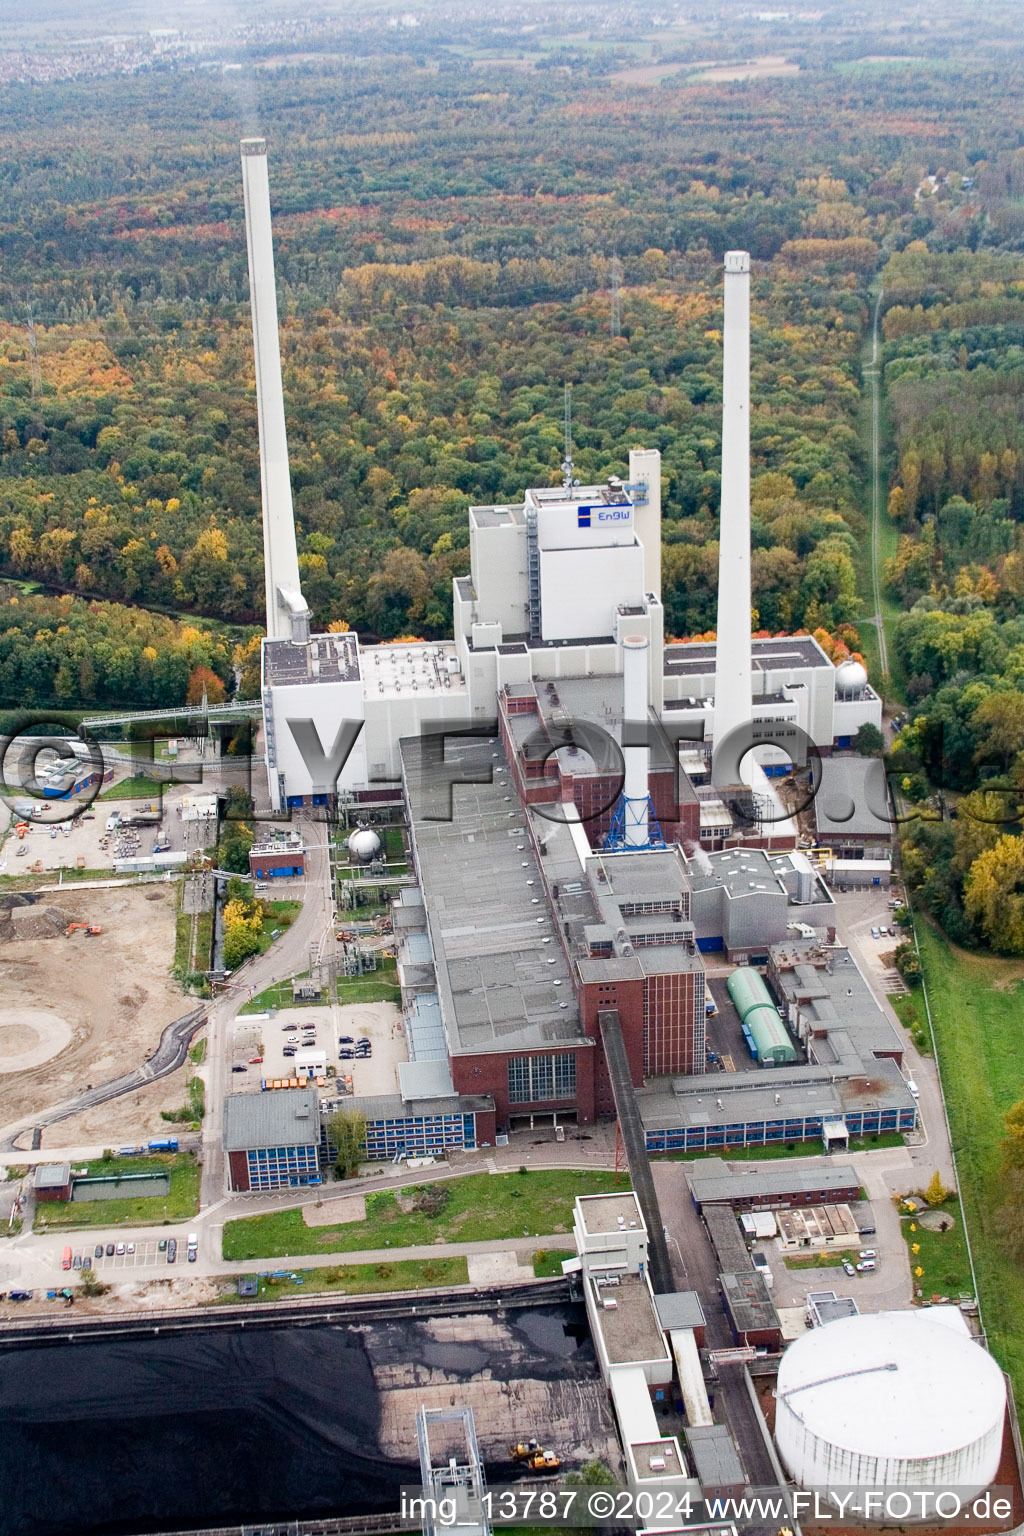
636	788
287	613
733	703
645	471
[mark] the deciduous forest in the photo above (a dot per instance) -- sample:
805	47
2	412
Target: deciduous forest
460	206
448	213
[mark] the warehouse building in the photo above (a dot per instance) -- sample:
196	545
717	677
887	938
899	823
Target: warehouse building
713	1182
852	812
827	1004
397	1127
272	1140
811	1103
745	899
748	1309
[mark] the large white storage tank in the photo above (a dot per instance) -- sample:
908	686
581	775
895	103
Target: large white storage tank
892	1399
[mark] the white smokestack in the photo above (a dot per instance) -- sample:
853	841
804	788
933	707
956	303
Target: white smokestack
287	613
645	470
733	705
635	789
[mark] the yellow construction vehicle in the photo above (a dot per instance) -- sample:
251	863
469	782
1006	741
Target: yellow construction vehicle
531	1454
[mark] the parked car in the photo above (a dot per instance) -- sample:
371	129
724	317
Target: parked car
876	933
20	1295
161	1246
866	1266
78	1261
65	1262
110	1250
131	1248
172	1250
346	1039
345	1055
915	1090
98	1251
239	1069
848	1267
868	1253
364	1040
289	1029
289	1050
120	1248
255	1060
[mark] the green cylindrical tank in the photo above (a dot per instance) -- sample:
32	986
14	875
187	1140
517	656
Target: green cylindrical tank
761	1017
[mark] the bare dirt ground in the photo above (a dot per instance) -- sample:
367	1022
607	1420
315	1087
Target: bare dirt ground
757	69
116	993
345	1208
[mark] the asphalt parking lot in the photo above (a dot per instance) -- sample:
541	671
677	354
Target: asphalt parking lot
147	1253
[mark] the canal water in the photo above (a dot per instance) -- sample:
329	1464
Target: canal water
220	1428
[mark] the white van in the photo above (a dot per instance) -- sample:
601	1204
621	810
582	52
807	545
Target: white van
913	1088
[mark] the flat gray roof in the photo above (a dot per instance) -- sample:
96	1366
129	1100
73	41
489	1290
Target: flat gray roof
391	1106
630	1329
273	1119
748	1301
502	978
826	987
52	1175
730	1247
336	658
679	1309
716	1461
698	656
713	1181
853	799
740	871
602	1213
736	1098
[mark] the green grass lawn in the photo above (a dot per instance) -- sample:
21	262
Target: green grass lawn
379	986
775	1149
547	1262
828	1258
361	1279
976	1005
139	787
181	1202
941	1255
478	1207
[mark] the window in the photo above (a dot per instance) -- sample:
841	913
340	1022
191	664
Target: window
538	1079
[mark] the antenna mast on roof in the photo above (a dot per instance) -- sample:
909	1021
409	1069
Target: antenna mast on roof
615	284
567	480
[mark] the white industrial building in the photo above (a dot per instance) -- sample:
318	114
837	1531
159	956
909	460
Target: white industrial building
890	1400
558	582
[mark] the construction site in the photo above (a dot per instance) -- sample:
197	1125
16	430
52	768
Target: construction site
79	1004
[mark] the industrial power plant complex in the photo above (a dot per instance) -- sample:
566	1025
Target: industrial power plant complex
580	848
553	899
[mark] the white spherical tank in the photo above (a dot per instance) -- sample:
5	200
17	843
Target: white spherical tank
851	676
364	845
889	1399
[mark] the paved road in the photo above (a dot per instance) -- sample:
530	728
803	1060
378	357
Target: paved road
872	375
929	1149
696	1269
312	929
40	1267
